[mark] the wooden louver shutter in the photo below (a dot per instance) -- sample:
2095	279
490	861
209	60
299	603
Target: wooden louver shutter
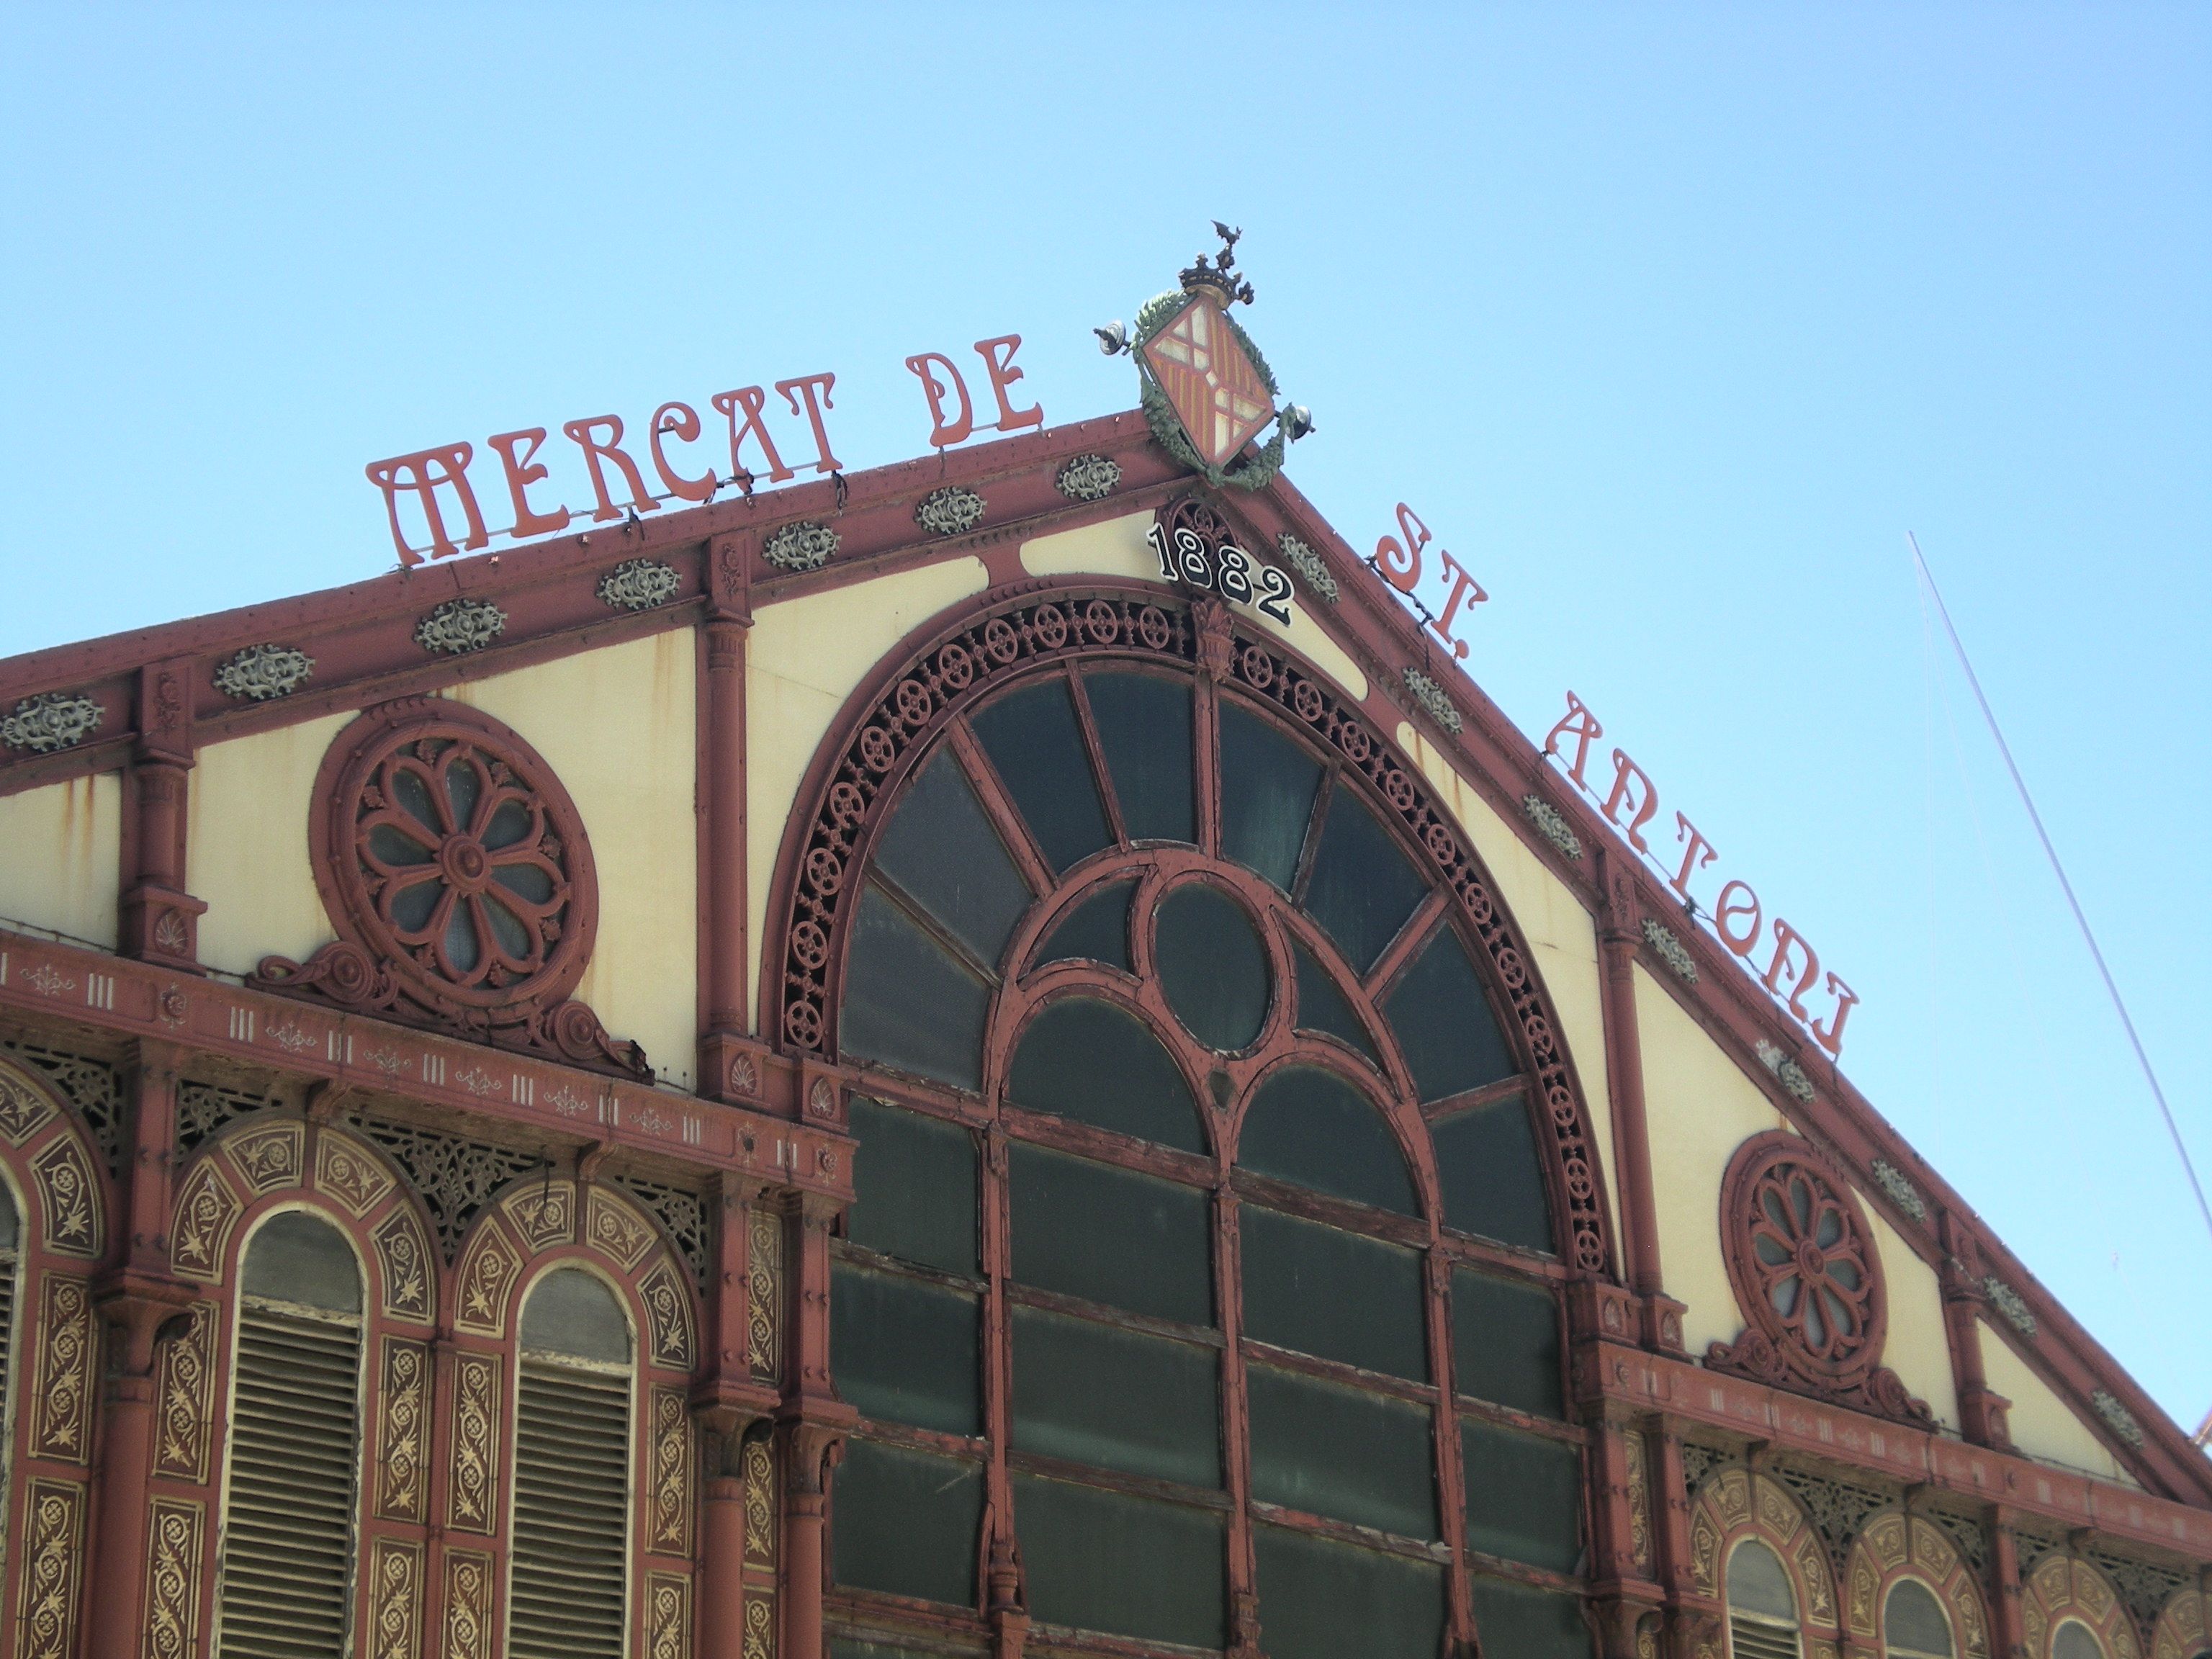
570	1590
288	1531
1754	1638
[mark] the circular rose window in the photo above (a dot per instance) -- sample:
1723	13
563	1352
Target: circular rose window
447	849
1801	1260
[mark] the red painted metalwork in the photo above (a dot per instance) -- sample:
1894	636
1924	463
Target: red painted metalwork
426	796
1808	1276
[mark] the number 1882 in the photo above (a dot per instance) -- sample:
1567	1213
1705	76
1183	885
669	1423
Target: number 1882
1228	570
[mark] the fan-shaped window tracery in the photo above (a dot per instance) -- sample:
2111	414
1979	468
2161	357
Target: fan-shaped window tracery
1151	1300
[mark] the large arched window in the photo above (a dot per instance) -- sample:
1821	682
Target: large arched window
1913	1625
1762	1606
1203	1259
287	1545
569	1594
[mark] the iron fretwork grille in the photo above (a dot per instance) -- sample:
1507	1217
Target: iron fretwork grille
1163	1309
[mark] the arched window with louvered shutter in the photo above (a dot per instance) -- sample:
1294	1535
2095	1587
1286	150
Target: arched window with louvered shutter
569	1594
1762	1606
1913	1625
289	1531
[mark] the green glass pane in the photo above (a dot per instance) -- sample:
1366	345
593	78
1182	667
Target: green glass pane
1444	1024
1340	1452
1323	1007
1211	966
1506	1343
904	1352
1528	1623
1311	1128
1324	1291
1096	929
1036	749
1112	1236
905	1523
907	1003
1322	1599
1093	1393
913	1182
1912	1618
1267	785
1129	1566
1487	1171
295	1256
1362	889
1144	727
1523	1495
941	849
573	1312
1091	1061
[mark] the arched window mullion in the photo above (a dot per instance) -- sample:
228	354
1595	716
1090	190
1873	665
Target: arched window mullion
1316	822
1206	744
1101	775
995	1247
999	804
1407	944
939	935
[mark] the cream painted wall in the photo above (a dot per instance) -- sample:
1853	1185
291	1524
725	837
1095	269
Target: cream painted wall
1559	931
803	658
1918	1348
1700	1106
64	864
618	726
2043	1425
1117	547
246	846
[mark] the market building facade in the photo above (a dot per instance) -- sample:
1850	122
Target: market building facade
995	1055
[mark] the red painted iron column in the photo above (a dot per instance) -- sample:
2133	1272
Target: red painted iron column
160	920
1620	934
813	1423
136	1297
725	1407
725	943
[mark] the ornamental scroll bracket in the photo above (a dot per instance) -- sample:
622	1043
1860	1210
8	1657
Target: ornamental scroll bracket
458	874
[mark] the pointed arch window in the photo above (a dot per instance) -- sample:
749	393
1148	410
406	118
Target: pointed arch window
1762	1604
1203	1264
284	1589
1913	1623
569	1594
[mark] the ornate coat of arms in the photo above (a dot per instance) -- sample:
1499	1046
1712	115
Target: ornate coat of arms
1207	391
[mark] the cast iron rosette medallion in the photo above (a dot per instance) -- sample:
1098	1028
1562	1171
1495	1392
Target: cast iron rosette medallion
1803	1260
456	872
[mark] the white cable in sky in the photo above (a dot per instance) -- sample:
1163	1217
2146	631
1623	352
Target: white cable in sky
2059	870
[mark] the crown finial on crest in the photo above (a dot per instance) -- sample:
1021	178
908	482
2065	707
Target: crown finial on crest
1220	275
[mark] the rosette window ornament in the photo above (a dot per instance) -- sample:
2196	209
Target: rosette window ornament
1802	1261
458	874
462	865
1806	1255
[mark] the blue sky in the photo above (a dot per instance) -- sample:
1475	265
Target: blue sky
1669	322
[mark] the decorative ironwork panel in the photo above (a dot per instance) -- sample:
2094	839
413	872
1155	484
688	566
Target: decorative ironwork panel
61	1405
468	1604
175	1547
184	1396
349	1173
92	1086
46	1595
404	1255
682	1213
544	1215
402	1396
487	1274
760	1503
667	1318
763	1282
395	1599
268	1158
669	1529
455	1176
615	1229
668	1615
472	1502
72	1198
